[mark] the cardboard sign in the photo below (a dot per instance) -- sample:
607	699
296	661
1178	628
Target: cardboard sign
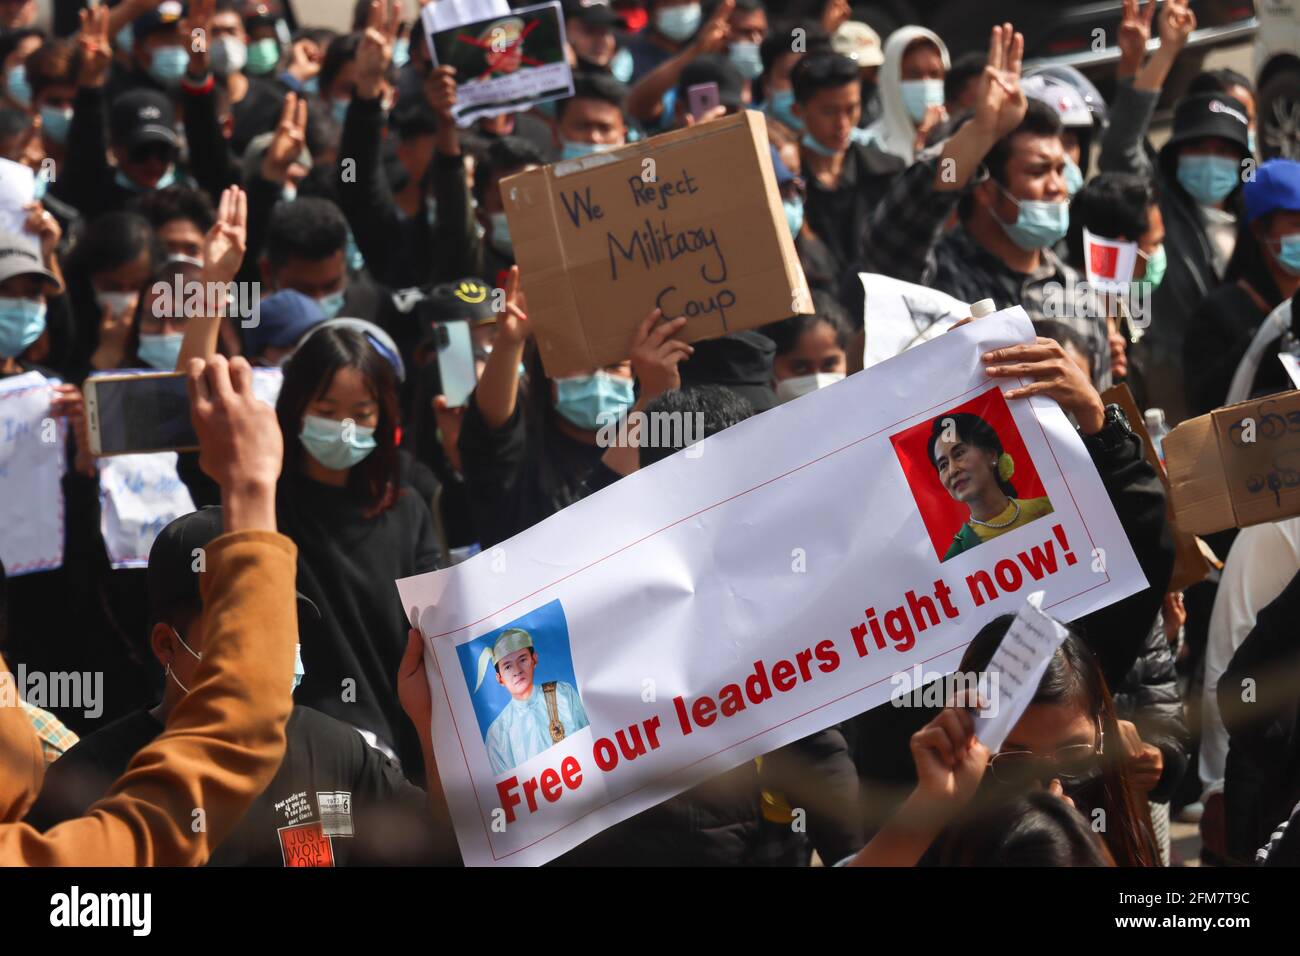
690	222
1237	466
772	580
1190	564
506	60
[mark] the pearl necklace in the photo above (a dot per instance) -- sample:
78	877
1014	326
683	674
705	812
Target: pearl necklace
1010	521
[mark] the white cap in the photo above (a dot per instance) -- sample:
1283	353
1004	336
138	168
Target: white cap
859	42
982	308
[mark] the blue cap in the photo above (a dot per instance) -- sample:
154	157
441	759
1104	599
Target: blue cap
783	174
166	14
284	318
1276	186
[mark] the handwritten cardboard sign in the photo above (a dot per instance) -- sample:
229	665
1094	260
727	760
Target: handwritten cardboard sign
690	222
1237	466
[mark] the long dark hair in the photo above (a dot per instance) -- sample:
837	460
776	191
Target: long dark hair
308	376
973	430
1074	678
1031	829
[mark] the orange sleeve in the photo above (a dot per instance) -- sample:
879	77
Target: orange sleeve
223	742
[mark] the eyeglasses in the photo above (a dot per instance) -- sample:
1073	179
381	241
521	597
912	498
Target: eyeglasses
1070	763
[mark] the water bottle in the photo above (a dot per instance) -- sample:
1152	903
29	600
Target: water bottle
1157	430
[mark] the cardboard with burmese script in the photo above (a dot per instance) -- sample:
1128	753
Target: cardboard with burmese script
1237	466
772	580
690	222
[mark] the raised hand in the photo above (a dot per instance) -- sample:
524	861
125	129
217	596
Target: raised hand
512	324
655	355
1055	375
69	403
715	33
287	143
1134	32
1000	103
199	18
227	240
440	90
834	14
304	60
1177	22
41	224
95	51
375	51
950	761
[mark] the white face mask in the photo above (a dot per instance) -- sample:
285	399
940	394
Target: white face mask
121	303
789	389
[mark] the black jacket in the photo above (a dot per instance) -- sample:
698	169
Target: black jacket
1259	701
1148	696
839	216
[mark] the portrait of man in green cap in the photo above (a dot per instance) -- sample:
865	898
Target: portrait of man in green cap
531	722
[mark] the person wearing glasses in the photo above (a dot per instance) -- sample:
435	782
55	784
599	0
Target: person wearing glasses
1067	743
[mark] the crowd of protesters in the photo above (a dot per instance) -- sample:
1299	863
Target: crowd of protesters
228	141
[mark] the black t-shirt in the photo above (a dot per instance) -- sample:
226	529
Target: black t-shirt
335	801
838	216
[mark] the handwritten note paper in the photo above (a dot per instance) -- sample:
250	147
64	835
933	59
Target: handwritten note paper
139	496
1019	663
17	188
32	462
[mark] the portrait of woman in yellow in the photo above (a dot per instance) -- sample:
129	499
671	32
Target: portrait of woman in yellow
972	465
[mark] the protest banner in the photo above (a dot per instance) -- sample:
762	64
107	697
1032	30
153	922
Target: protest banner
506	60
689	222
32	462
897	315
754	589
17	189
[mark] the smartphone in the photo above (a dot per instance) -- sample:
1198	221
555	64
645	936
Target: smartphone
133	414
455	361
701	98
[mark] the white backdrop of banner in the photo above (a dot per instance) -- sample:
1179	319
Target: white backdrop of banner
718	605
32	462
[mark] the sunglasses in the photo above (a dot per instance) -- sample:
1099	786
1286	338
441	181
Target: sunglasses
147	151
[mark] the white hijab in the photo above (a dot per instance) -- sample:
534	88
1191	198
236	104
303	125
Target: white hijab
894	131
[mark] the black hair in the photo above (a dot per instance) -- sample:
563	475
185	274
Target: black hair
161	206
309	228
1074	677
720	407
595	86
785	333
822	71
112	240
965	68
308	376
413	117
53	63
1113	206
341	50
13	122
505	155
1219	81
1029	829
13	39
1066	335
973	430
779	40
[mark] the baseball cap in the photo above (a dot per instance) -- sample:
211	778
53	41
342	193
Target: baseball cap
1276	187
595	13
171	575
164	15
1064	99
464	299
1209	114
21	256
283	319
859	42
713	69
783	173
143	116
740	361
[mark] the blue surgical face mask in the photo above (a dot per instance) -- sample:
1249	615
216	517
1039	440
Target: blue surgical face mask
325	441
21	323
1073	177
56	122
500	235
125	40
744	57
811	143
1208	179
1038	224
1288	253
590	401
919	95
20	91
331	304
1250	141
299	672
793	214
160	351
352	256
311	86
168	65
168	179
622	65
288	192
571	150
780	105
401	52
339	110
679	23
40	186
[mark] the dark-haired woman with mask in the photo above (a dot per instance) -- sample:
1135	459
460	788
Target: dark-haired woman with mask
972	465
1067	743
357	530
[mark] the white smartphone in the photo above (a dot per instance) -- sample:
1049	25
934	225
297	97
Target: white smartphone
455	361
134	414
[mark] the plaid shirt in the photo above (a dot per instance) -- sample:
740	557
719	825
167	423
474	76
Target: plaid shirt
56	739
905	239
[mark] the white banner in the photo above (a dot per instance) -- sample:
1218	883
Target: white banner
32	462
898	315
765	585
